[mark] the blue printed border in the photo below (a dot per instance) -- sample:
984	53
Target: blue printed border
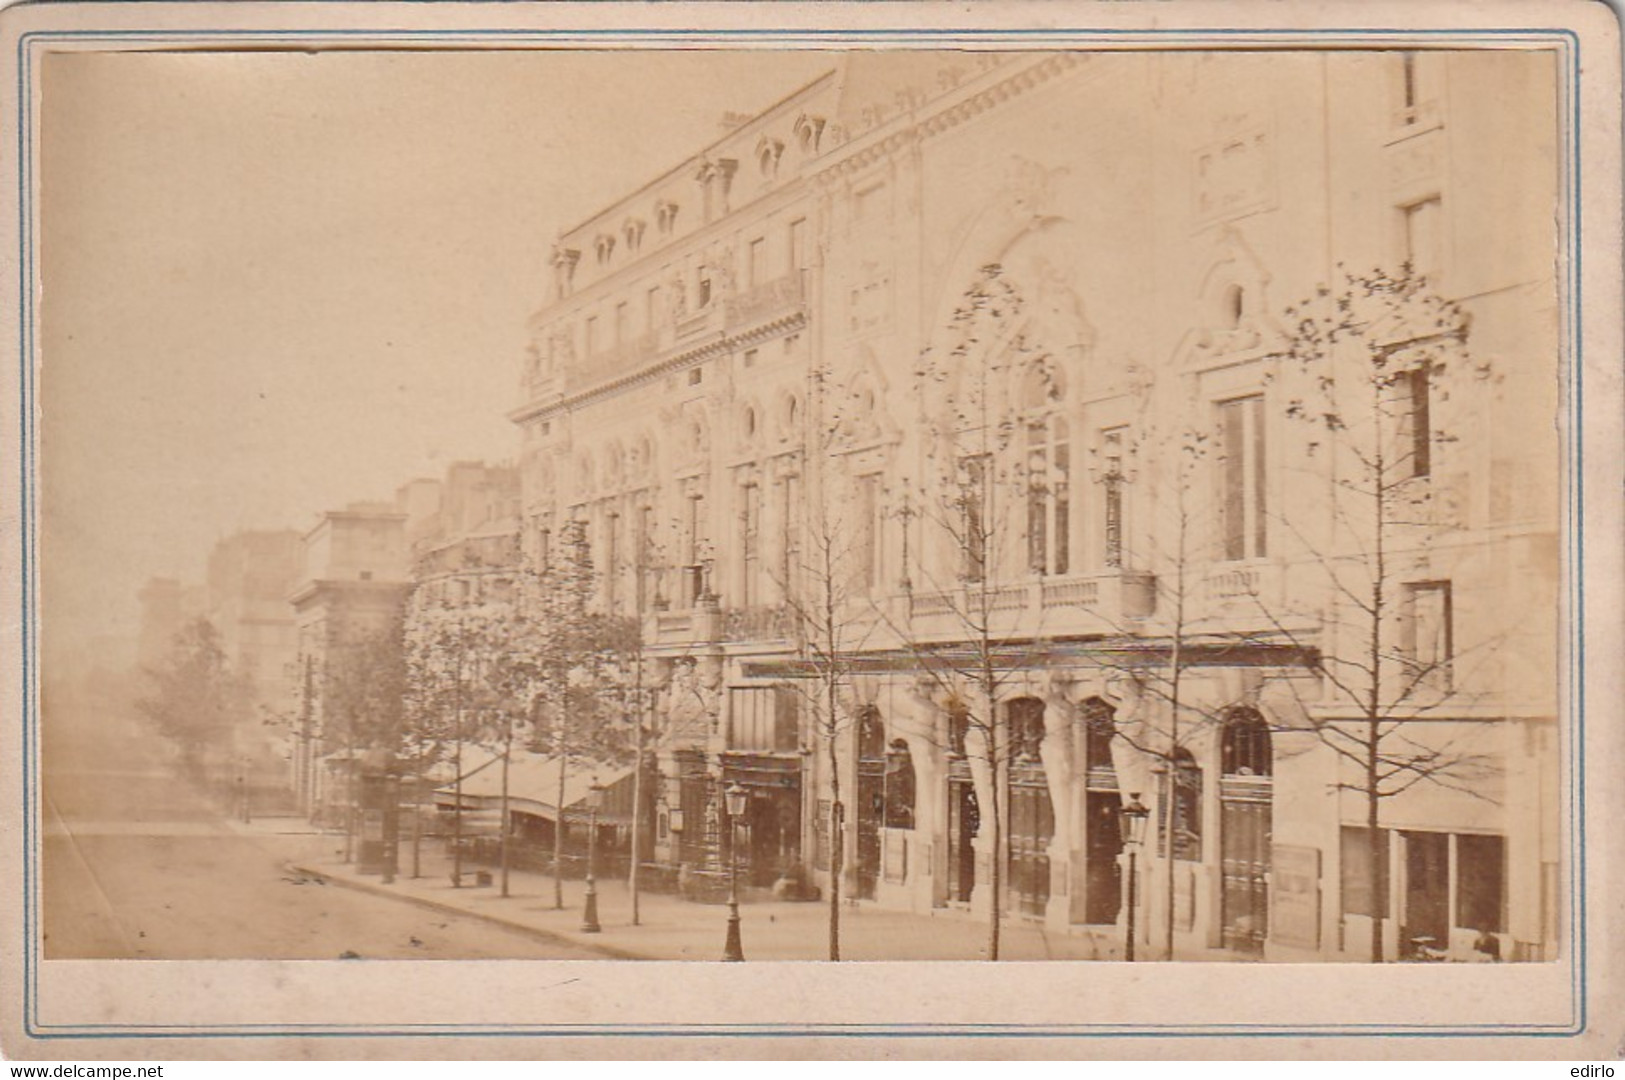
1563	41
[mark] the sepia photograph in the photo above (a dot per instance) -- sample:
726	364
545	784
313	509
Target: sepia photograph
1089	502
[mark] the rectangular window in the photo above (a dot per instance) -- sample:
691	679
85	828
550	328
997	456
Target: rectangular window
1186	802
651	309
1112	443
756	264
623	327
1428	633
973	508
750	522
1481	883
866	536
1241	501
790	532
798	242
592	335
763	719
696	584
544	544
612	559
1357	875
1037	499
1422	238
640	548
1415	442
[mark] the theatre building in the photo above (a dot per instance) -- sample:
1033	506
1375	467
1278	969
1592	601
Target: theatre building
964	385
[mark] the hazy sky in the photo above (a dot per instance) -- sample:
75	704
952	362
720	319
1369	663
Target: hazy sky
276	283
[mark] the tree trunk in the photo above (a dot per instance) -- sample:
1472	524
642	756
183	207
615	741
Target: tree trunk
637	797
995	756
558	830
1379	865
506	820
837	838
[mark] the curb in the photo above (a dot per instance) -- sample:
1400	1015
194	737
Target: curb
551	936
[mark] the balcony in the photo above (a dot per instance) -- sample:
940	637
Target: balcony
765	300
612	364
761	623
1242	595
1094	603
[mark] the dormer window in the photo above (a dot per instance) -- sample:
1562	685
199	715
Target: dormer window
665	216
605	245
632	230
564	270
809	132
768	152
716	179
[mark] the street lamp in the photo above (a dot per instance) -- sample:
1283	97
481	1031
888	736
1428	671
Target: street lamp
589	917
736	796
1134	816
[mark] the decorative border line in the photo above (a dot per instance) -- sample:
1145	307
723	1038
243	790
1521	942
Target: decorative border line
1563	41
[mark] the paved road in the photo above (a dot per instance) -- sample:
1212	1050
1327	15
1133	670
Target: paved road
137	864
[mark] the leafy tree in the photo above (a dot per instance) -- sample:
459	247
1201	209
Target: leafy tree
363	700
196	698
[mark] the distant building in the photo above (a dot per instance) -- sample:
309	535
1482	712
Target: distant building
734	353
354	583
249	577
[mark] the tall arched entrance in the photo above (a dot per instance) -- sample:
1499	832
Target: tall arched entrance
1246	791
871	801
1103	834
1032	813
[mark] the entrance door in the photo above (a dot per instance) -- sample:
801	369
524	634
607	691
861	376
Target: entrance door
1103	883
1427	891
1246	794
1032	825
964	819
1245	852
774	826
871	802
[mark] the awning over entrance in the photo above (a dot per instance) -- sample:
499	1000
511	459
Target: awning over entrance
533	787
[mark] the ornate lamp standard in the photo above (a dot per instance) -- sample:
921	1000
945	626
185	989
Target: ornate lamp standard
589	917
736	796
1134	816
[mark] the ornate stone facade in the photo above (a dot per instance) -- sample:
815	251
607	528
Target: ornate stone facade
946	360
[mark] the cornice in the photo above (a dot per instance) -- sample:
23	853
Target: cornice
948	114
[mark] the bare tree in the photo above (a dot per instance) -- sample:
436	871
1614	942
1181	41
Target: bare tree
1369	369
977	500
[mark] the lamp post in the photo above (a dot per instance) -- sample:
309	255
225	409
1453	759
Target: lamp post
589	916
1134	816
736	795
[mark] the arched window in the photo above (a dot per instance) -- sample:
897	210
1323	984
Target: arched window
1048	470
899	786
1245	749
1099	725
1025	718
1235	306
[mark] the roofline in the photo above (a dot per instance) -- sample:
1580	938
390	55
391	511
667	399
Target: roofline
606	210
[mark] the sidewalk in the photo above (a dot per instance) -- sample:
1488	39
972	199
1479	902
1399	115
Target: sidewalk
674	929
